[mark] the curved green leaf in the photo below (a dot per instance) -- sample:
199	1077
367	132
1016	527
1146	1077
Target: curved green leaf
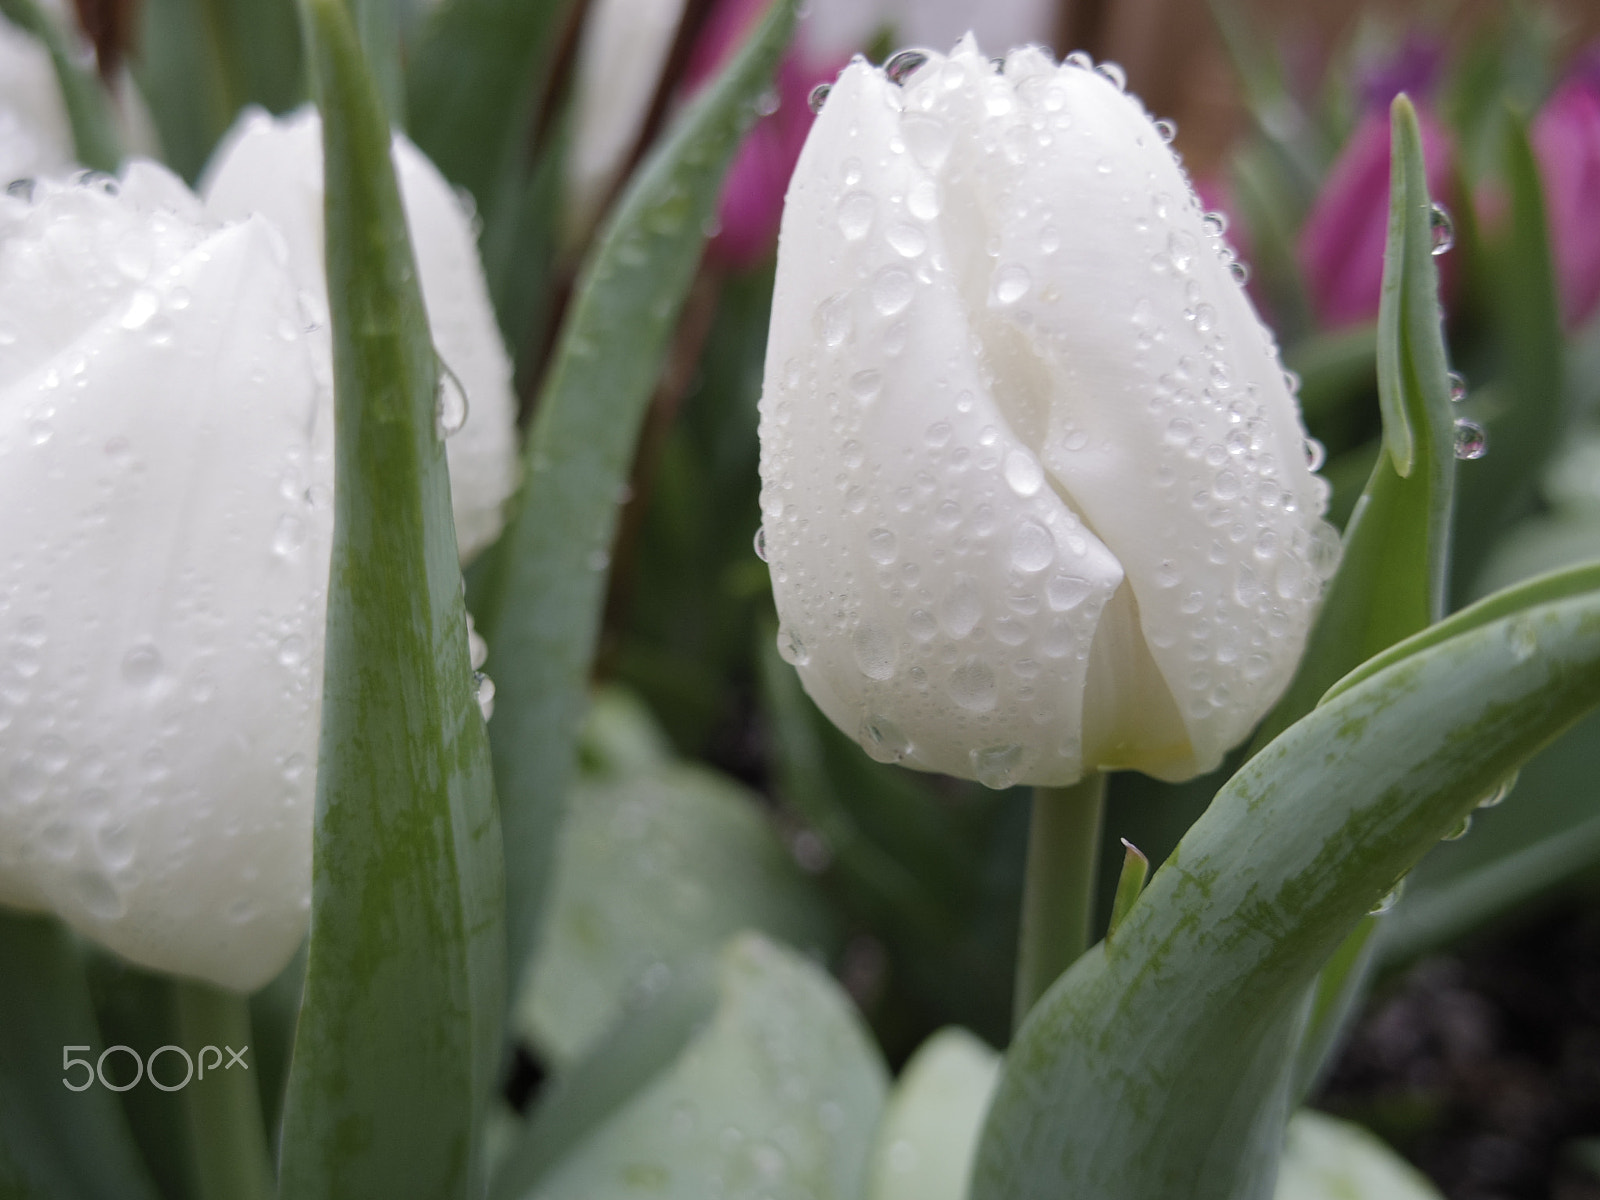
94	129
541	610
399	1036
652	868
56	1143
1154	1067
777	1094
929	1133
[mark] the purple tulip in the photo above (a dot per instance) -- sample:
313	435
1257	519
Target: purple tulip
1566	141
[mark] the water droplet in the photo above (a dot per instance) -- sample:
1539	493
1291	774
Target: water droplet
1113	74
856	210
892	289
1080	59
1316	454
114	842
1180	250
928	139
961	609
922	201
289	536
1011	283
141	666
1240	272
865	385
761	543
996	766
818	97
291	651
449	403
1460	829
1497	797
791	649
1389	900
875	651
882	740
1023	473
972	686
1458	387
881	546
1215	223
900	67
1065	592
1167	130
1032	547
144	305
833	320
908	241
1441	228
21	189
1471	441
483	693
853	454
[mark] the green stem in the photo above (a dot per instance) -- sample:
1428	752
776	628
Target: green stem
1059	887
224	1108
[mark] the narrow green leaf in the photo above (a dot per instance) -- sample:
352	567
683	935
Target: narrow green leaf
1525	410
1391	582
1166	1045
56	1142
378	30
541	615
1130	882
94	128
399	1035
1336	1000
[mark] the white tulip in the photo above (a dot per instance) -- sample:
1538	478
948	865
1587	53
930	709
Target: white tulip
274	168
163	571
1035	489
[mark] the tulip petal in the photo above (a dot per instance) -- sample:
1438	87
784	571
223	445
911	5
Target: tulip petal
272	167
1035	489
163	597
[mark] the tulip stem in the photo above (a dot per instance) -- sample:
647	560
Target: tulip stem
1059	885
226	1129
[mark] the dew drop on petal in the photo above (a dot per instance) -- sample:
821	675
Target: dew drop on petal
791	648
973	687
141	666
1011	283
818	97
1458	387
882	739
450	404
900	67
875	651
1065	592
881	546
483	692
1459	830
892	289
1389	900
856	210
996	766
1032	547
1497	796
1023	473
761	543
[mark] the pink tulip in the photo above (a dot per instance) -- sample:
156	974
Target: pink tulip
1566	141
1341	243
752	196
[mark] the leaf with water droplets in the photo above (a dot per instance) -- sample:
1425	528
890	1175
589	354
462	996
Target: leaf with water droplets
541	612
408	892
1221	946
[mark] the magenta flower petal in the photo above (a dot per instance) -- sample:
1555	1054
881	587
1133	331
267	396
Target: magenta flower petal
1566	140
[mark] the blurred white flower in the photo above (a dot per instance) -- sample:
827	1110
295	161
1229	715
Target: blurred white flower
274	168
35	135
162	594
1035	490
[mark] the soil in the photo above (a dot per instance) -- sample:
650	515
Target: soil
1482	1065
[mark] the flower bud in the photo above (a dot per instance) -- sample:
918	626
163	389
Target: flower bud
164	573
274	168
1035	490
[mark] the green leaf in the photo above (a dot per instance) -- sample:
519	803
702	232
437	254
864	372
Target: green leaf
1168	1044
1391	581
399	1036
1524	409
541	613
56	1143
1130	882
651	868
94	127
1330	1159
778	1093
929	1133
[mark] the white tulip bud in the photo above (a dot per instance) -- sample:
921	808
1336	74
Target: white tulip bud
163	571
1035	489
274	168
